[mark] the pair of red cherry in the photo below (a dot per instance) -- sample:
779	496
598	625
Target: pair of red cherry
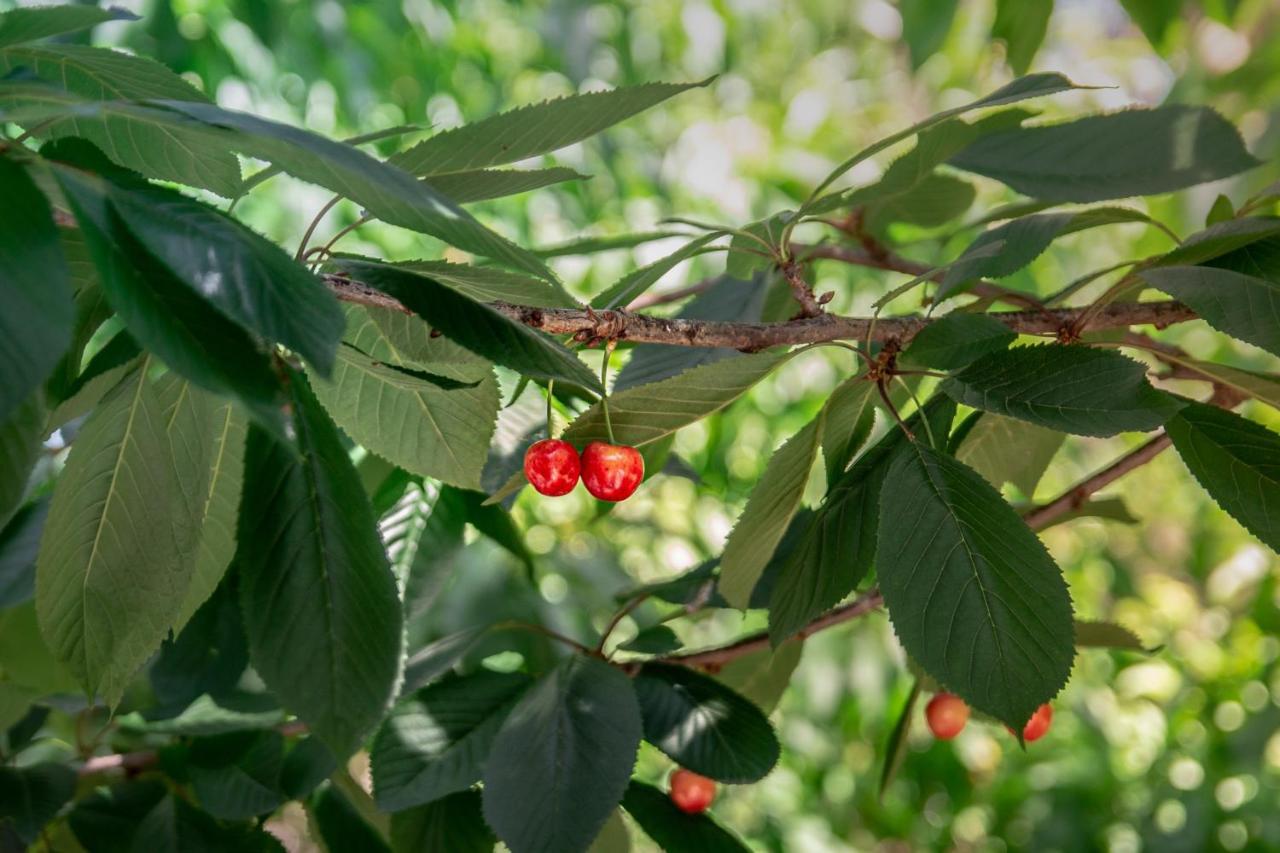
947	714
611	472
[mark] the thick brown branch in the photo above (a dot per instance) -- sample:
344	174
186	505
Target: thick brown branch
642	328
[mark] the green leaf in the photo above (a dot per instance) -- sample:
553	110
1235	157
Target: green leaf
174	826
1107	509
105	820
672	829
206	717
483	184
1031	86
1222	211
428	425
112	573
155	149
22	435
594	245
320	603
973	595
957	339
925	24
1129	153
763	676
654	640
1106	635
341	826
896	749
208	656
614	838
438	657
647	413
239	787
489	284
1154	17
529	131
1243	306
703	725
25	659
248	279
1007	450
18	26
850	413
35	289
307	765
19	545
30	797
1237	462
633	284
1226	238
1264	387
455	824
436	743
934	200
482	329
773	502
561	762
1075	389
1021	25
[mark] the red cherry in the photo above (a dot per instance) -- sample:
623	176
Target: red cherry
552	466
611	472
691	793
1038	724
946	714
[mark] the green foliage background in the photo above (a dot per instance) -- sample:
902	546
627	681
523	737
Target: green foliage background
1176	751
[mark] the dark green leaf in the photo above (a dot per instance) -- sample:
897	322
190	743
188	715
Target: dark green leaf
1021	25
454	824
763	676
105	821
436	658
341	826
320	603
205	717
958	339
482	184
1227	239
31	796
18	26
173	826
529	131
19	545
1130	153
1243	306
561	762
973	595
1154	17
934	200
22	436
436	743
1008	450
478	327
850	412
239	787
490	284
307	765
703	725
35	290
207	657
633	284
1222	211
896	749
672	829
1237	462
925	24
1106	635
654	640
1075	389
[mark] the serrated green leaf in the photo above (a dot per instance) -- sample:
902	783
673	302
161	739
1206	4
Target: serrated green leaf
30	797
482	184
476	326
112	572
155	149
763	676
488	284
248	279
704	726
654	640
672	829
1129	153
455	824
239	787
174	826
1097	634
1223	238
436	743
850	413
105	820
341	826
1075	389
1021	25
973	595
19	545
1007	450
18	26
35	289
935	200
773	502
428	425
307	765
21	437
633	284
647	413
1240	305
1237	462
532	130
957	339
320	604
561	762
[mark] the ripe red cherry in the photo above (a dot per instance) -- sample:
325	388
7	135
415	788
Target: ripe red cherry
946	714
692	793
1038	725
611	472
552	466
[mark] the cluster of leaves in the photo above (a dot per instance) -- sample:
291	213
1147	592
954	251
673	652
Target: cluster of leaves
211	527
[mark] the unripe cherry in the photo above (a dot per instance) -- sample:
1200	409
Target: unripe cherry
552	466
946	714
692	793
611	472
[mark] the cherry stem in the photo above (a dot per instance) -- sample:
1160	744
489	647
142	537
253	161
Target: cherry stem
919	408
551	432
604	390
315	222
893	410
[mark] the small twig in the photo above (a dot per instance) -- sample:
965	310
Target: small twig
622	613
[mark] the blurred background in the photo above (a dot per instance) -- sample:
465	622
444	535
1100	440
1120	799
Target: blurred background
1179	750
